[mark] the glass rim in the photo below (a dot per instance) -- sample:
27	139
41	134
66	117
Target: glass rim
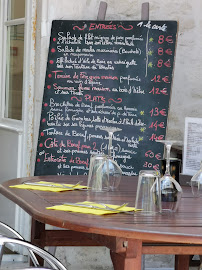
171	159
99	155
149	173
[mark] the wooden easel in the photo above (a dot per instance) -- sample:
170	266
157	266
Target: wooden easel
102	11
103	8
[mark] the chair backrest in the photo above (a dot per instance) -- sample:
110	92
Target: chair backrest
50	259
7	230
10	230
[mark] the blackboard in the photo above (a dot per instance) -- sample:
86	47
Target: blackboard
105	73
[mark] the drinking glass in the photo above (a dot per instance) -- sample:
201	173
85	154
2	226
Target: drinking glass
98	176
148	196
114	170
104	173
171	191
115	173
196	183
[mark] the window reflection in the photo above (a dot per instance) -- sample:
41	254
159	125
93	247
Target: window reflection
14	80
16	9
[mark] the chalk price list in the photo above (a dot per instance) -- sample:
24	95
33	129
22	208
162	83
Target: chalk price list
160	87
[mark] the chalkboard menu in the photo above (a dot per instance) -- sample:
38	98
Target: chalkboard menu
105	74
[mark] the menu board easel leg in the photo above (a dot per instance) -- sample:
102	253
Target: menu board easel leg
102	11
145	11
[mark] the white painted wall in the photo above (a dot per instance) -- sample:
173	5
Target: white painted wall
9	145
186	96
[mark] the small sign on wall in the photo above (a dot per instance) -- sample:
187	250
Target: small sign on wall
192	155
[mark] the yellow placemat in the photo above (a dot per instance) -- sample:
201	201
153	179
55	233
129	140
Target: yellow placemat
57	187
92	211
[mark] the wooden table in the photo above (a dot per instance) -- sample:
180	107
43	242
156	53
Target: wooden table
127	236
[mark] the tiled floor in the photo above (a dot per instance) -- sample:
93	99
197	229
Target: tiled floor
18	265
151	264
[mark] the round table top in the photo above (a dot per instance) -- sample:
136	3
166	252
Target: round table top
184	226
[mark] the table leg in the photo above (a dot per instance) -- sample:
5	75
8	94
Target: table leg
131	259
38	236
182	262
200	256
38	233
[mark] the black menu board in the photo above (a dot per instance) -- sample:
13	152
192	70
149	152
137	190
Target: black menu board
105	74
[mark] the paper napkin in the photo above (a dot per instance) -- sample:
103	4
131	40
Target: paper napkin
93	211
57	187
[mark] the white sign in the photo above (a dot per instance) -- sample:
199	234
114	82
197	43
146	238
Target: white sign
192	155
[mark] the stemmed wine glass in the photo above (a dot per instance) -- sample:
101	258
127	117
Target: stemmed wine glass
171	190
111	166
110	131
104	172
196	183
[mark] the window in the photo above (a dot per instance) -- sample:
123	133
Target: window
17	76
16	9
14	51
